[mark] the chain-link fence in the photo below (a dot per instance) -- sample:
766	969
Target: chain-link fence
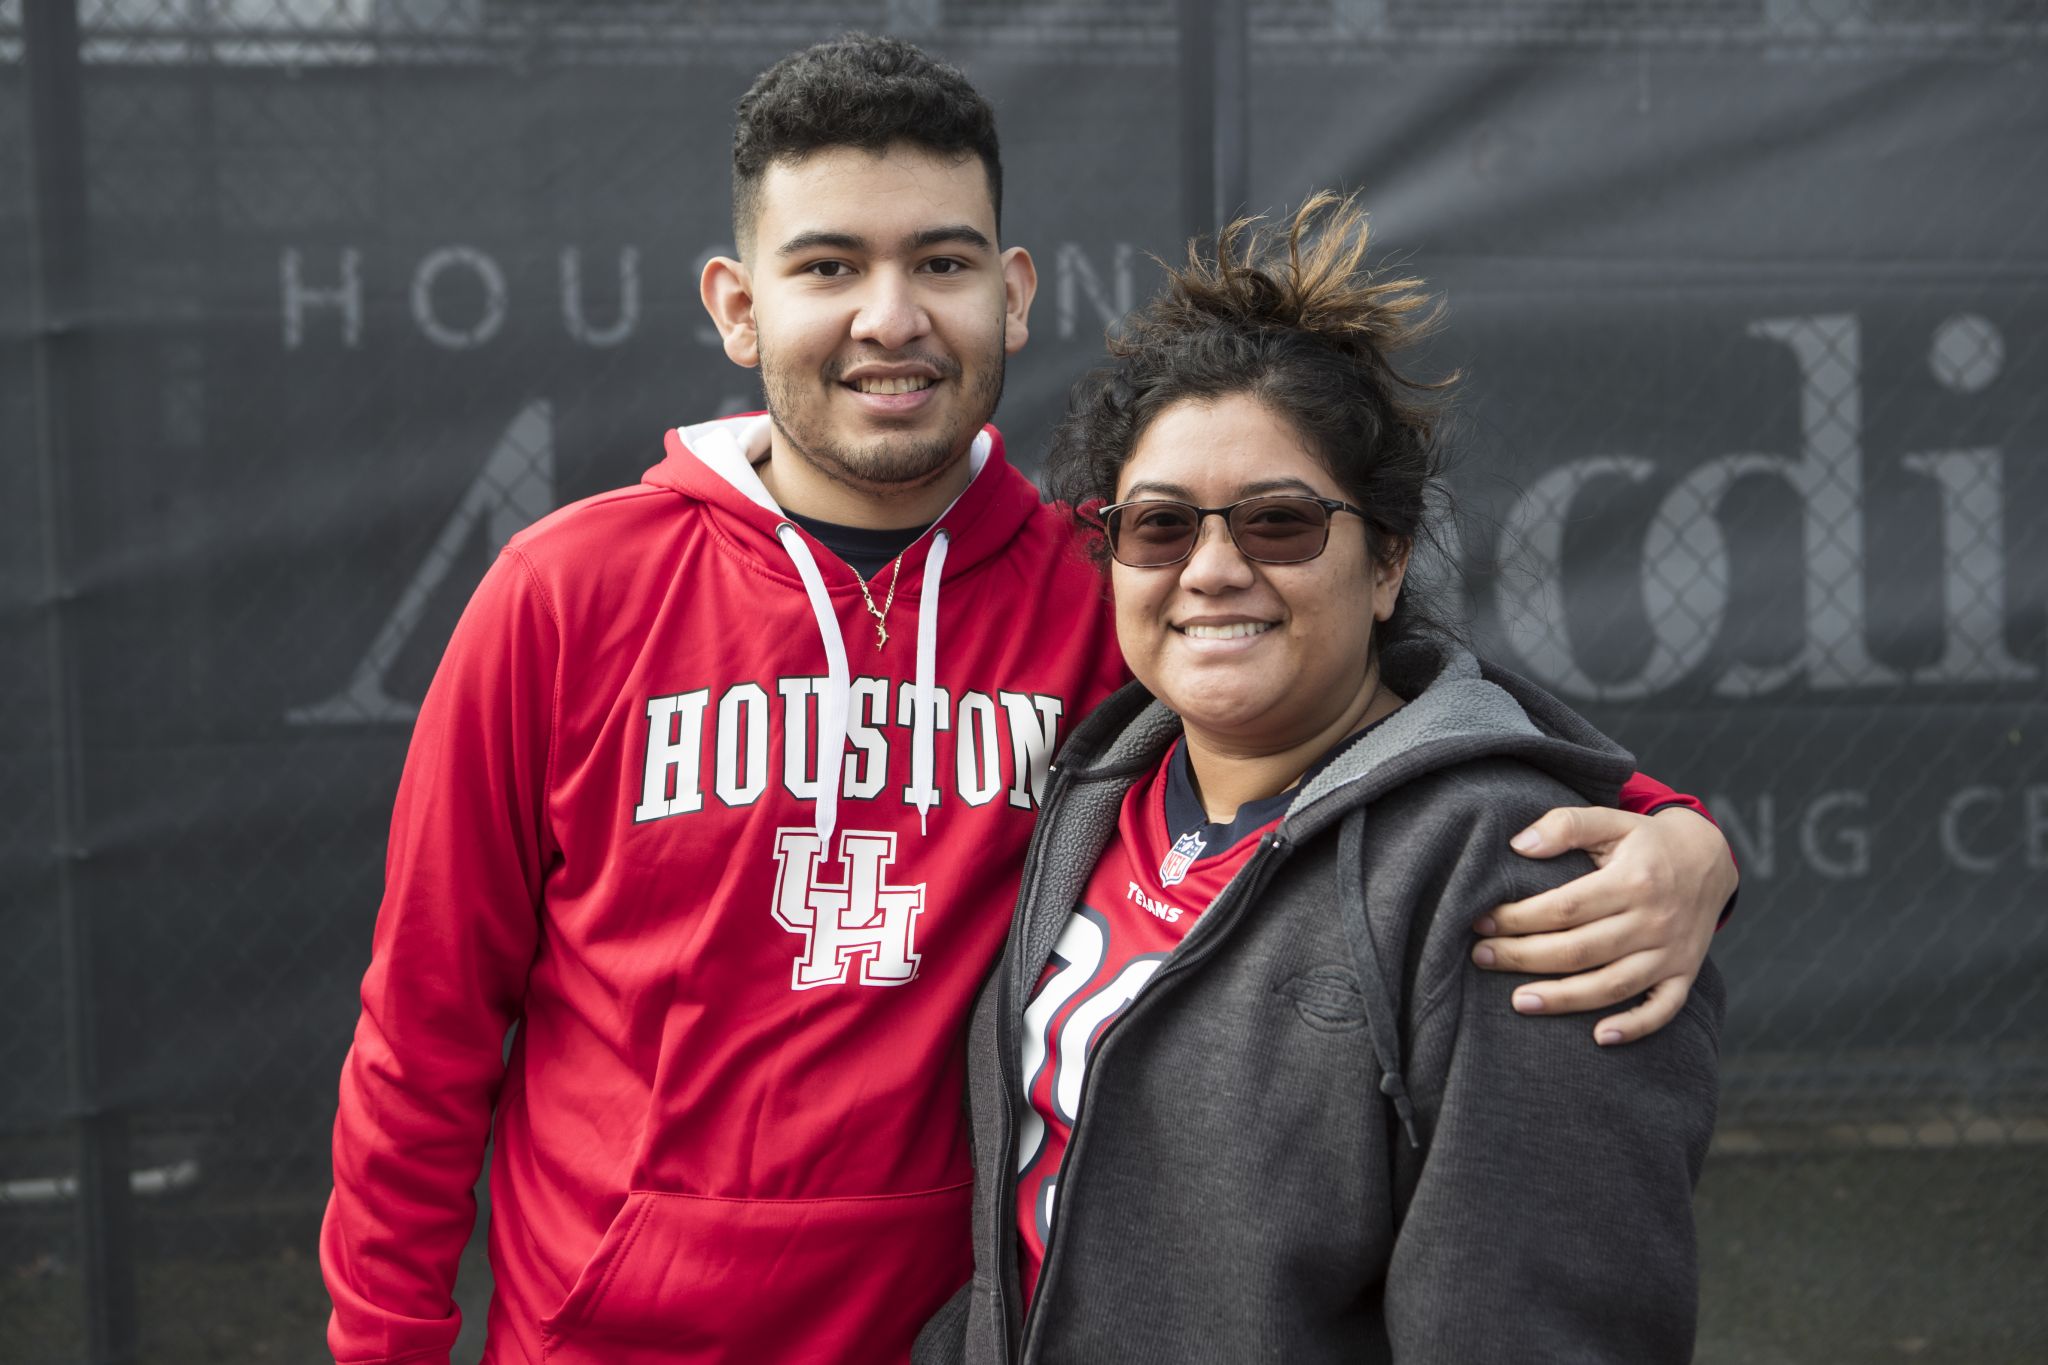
308	304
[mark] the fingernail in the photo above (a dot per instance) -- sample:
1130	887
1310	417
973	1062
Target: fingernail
1483	955
1483	926
1607	1037
1528	1002
1524	841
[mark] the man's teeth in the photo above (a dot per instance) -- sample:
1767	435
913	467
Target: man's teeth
1236	630
907	384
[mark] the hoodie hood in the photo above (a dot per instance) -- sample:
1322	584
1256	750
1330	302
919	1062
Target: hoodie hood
715	463
1461	709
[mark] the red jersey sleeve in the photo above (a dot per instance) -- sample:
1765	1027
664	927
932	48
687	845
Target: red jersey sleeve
455	937
1645	795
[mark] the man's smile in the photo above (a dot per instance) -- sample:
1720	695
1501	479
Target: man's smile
882	384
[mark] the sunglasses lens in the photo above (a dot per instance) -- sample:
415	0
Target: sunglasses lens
1152	533
1280	530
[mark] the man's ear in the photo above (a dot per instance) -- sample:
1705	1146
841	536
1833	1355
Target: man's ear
1020	286
727	288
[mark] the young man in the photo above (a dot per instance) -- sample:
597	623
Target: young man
722	791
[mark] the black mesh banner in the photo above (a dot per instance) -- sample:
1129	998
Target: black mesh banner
1752	466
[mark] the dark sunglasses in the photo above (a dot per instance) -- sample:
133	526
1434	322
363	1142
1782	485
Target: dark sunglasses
1151	534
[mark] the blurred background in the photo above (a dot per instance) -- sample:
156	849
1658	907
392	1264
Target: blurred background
306	305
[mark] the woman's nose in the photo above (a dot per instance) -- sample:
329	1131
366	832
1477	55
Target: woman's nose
1215	564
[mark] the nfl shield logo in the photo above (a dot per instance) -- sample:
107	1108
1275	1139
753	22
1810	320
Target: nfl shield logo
1180	857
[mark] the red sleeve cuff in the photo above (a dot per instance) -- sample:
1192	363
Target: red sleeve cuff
1645	795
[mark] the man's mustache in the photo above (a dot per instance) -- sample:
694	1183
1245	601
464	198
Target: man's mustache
943	367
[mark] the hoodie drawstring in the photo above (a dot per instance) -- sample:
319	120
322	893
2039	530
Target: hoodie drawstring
1381	1024
837	697
728	448
833	704
924	702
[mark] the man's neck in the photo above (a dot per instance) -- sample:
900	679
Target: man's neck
797	486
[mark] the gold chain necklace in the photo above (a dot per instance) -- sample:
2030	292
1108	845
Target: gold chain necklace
882	616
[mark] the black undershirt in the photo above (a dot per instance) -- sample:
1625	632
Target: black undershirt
868	552
1185	815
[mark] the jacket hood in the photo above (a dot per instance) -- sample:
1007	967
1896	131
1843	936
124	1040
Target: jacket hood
716	463
1459	708
713	463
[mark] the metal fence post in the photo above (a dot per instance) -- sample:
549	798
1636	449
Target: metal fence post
1215	120
61	341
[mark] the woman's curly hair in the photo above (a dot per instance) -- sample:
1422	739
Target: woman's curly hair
1295	319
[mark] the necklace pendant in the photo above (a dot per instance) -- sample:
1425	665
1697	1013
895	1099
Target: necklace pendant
881	613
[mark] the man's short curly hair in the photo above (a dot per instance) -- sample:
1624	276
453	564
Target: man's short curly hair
857	91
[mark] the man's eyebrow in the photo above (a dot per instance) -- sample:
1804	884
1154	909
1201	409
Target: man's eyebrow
812	241
960	233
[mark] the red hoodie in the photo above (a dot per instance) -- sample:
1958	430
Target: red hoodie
730	1126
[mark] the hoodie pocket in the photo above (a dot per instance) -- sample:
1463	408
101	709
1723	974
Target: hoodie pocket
690	1278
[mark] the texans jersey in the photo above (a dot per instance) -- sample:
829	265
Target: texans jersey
1166	865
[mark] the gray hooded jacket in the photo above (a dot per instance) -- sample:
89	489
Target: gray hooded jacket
1321	1133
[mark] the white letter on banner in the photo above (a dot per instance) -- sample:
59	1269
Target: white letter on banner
1684	585
1853	838
1951	828
487	273
629	299
2037	827
298	296
1076	275
515	488
1828	478
1973	568
1755	841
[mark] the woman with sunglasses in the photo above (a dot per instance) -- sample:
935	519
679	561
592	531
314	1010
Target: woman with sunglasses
1239	1093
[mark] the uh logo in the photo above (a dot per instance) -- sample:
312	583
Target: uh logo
861	917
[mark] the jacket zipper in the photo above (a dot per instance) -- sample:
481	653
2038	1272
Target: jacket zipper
1272	850
1006	1067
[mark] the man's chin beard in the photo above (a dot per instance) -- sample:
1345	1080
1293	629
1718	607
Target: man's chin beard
881	468
886	465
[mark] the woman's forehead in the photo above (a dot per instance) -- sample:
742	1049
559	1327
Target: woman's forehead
1233	445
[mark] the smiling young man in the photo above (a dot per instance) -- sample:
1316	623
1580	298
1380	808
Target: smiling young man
721	795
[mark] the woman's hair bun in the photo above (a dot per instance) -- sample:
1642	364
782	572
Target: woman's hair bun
1309	276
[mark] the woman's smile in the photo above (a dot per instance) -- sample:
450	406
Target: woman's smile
1207	631
1255	656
